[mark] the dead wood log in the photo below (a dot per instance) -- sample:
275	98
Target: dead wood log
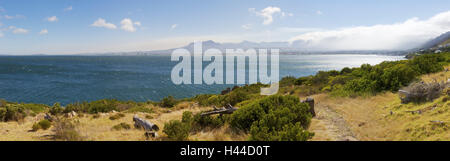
146	125
228	109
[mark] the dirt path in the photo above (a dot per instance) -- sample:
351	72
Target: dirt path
329	125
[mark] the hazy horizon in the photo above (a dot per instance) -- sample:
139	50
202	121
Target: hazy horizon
75	27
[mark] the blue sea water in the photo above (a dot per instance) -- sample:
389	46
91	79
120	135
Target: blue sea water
69	79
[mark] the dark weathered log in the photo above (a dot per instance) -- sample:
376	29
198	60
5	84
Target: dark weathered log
310	102
228	109
146	125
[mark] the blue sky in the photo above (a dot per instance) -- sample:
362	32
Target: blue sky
69	26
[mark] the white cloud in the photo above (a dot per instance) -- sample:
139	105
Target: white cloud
13	17
403	35
137	23
102	23
20	31
247	26
173	26
68	8
43	32
52	19
267	13
128	25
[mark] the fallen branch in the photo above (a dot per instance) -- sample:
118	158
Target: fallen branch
224	110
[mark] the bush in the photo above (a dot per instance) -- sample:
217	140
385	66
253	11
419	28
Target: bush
12	112
43	124
100	106
272	115
397	76
66	130
56	109
428	63
201	122
177	130
274	118
187	118
117	116
168	102
287	81
121	126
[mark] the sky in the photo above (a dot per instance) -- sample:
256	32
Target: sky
99	26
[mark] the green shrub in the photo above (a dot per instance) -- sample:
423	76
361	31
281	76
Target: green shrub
397	76
203	99
56	109
12	112
43	124
168	102
177	130
214	100
271	115
36	108
35	127
187	118
287	81
201	122
428	63
100	106
121	126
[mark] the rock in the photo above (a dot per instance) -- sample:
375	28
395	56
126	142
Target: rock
311	103
71	114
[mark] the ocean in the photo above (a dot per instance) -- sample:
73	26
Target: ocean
70	79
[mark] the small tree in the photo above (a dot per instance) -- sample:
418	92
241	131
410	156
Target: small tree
176	130
56	109
168	102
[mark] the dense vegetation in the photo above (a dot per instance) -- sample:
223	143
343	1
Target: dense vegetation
368	79
274	118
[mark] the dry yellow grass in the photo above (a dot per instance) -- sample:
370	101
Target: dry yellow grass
438	77
100	129
370	118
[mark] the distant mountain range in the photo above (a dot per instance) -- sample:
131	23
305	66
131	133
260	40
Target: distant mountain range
437	42
287	48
